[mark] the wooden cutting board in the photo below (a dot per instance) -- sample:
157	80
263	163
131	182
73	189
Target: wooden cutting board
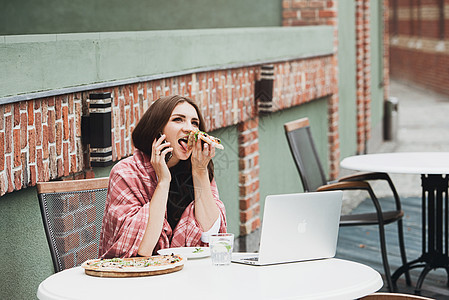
116	274
123	273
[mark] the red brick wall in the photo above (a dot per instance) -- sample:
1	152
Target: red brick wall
308	12
386	48
75	217
363	74
419	46
39	140
249	195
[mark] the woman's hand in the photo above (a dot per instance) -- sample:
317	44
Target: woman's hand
159	150
206	210
158	203
201	156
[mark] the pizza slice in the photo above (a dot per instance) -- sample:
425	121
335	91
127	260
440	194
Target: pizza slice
198	134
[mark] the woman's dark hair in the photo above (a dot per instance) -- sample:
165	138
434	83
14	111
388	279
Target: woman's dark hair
155	119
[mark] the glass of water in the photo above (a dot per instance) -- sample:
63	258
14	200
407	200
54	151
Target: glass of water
221	245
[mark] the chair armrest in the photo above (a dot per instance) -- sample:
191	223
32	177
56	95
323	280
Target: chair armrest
366	176
345	185
375	176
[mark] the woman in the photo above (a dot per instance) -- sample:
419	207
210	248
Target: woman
156	201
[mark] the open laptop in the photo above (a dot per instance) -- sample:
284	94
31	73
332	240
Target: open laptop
297	227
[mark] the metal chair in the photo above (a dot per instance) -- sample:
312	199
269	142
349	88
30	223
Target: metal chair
313	178
72	213
393	296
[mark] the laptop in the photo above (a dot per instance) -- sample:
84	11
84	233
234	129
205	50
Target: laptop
297	227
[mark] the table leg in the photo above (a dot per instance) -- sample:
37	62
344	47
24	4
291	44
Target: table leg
435	231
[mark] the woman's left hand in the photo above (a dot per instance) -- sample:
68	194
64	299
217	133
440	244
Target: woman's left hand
201	156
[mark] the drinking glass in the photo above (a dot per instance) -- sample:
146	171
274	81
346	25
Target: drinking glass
221	245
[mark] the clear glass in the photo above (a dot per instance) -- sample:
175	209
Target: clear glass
221	245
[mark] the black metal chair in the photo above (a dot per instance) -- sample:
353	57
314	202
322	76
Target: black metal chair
72	213
313	178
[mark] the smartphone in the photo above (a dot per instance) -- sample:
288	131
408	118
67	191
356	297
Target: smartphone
169	154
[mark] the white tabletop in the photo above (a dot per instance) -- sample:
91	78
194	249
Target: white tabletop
320	279
400	162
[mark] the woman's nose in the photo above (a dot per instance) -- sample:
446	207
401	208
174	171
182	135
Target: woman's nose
188	127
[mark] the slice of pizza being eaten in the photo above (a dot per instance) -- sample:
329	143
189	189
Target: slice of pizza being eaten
198	134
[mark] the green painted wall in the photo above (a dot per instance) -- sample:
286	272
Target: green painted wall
347	74
377	89
226	163
68	16
347	78
69	62
26	259
278	173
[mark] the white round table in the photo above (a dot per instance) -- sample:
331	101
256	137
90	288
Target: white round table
400	162
320	279
433	167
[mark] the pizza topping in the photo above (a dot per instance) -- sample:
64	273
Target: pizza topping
134	264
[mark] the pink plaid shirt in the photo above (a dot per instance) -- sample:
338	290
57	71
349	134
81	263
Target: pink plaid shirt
131	185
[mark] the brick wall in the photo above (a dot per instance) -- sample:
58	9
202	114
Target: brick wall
420	42
75	218
249	196
308	12
363	81
39	140
386	48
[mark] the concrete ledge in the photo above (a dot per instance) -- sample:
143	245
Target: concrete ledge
34	66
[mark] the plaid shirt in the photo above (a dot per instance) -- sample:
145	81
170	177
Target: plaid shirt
131	185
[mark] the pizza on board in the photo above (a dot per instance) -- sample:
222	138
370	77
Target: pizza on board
134	266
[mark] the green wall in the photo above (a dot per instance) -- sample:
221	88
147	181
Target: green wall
26	259
377	89
347	75
226	163
347	78
278	173
78	62
69	16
